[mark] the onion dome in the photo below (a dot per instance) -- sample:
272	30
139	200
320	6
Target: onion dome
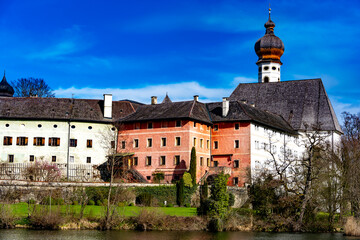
269	48
6	90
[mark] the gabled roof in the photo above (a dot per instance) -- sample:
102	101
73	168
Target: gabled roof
166	99
302	103
61	109
172	110
244	112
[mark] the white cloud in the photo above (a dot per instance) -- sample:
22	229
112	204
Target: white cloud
239	79
176	91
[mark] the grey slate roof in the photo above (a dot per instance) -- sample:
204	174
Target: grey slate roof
244	112
301	103
172	110
166	99
6	89
61	109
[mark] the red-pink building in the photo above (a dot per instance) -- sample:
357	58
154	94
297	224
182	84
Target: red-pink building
161	137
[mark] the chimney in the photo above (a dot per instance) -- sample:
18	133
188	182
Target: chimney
196	98
107	105
153	100
225	106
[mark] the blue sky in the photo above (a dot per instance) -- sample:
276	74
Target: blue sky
139	48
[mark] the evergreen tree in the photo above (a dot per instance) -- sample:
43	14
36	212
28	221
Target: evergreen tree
180	192
192	170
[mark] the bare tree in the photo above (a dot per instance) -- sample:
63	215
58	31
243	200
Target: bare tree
31	87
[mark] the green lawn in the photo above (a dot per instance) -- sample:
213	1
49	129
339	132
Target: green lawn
21	210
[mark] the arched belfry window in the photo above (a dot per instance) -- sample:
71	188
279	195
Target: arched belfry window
266	79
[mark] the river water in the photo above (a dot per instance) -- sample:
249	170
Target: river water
26	234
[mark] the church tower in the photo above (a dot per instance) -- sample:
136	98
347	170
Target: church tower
269	49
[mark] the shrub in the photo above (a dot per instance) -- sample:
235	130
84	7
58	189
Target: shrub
187	205
91	202
148	219
104	202
157	177
352	227
43	218
6	217
187	180
145	199
231	199
75	202
131	204
99	203
31	201
169	205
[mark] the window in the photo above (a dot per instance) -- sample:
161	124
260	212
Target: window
194	124
73	126
11	158
257	145
163	142
137	125
273	68
201	143
164	124
32	158
89	143
73	142
216	127
148	177
88	159
178	123
177	160
7	125
149	142
237	144
162	160
236	163
177	141
136	143
201	161
150	125
22	141
7	141
135	161
235	181
237	126
39	125
72	159
266	68
89	127
55	126
194	142
123	144
207	144
216	145
208	162
148	161
266	79
54	142
112	144
53	158
216	163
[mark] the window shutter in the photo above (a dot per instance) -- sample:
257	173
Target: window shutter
58	142
26	141
34	143
49	141
75	142
43	141
17	140
10	140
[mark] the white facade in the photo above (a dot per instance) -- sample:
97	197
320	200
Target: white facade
33	140
268	72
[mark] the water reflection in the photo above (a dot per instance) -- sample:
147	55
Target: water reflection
154	235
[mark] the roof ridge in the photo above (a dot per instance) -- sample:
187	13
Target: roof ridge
192	107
